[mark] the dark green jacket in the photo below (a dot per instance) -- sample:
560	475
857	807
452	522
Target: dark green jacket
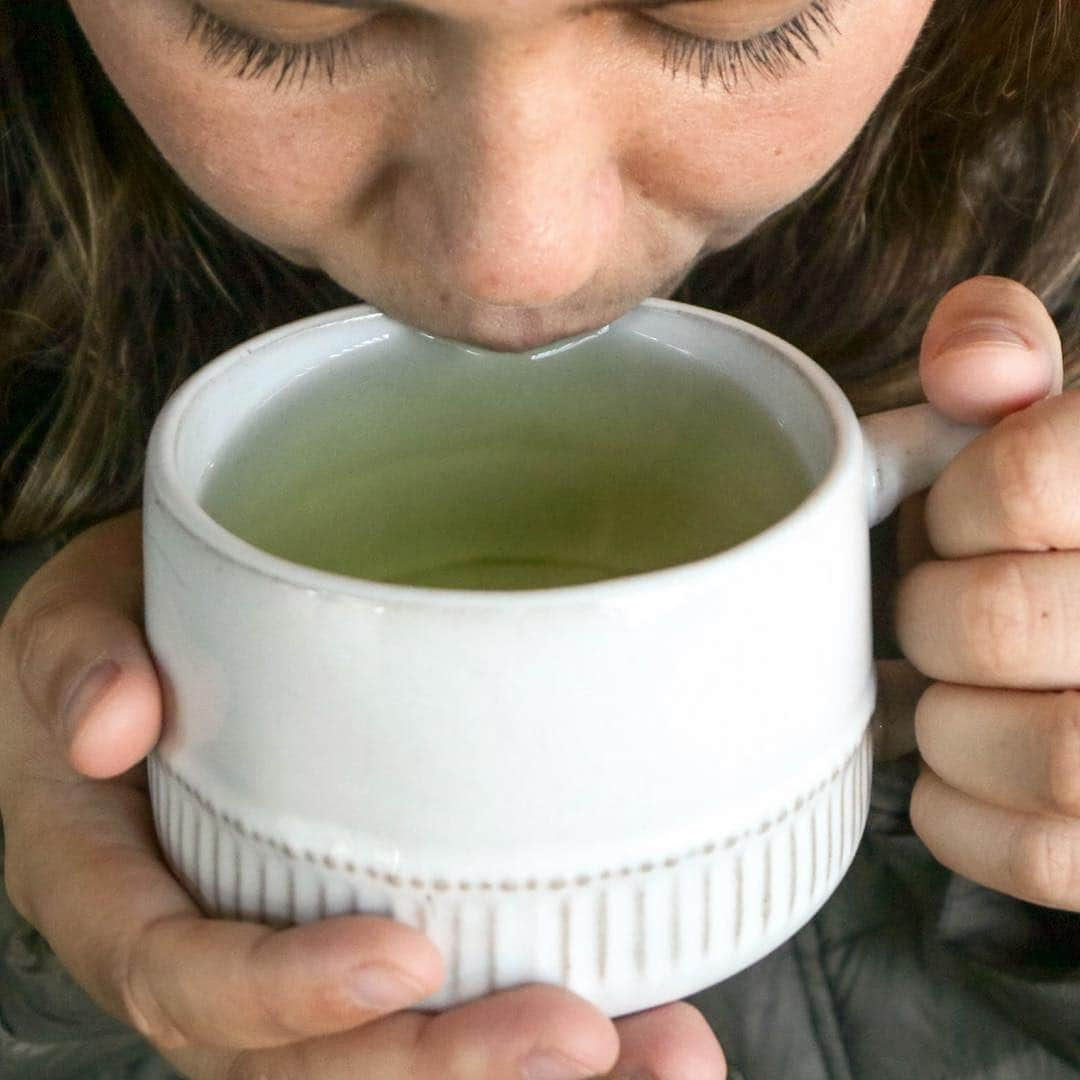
908	973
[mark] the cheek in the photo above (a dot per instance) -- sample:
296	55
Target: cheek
741	156
286	169
291	178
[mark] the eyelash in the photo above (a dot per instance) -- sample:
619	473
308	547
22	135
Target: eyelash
250	57
773	53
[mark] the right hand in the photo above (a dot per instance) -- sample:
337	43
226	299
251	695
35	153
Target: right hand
80	706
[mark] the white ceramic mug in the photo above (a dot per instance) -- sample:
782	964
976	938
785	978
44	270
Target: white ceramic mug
633	788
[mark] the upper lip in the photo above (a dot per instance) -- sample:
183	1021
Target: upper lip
514	331
527	342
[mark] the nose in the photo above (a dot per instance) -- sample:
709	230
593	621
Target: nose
513	191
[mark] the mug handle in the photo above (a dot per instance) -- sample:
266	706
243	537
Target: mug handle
905	450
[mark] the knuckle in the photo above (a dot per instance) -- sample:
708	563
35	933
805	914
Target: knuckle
1043	864
920	812
278	1016
915	602
35	635
143	1010
926	712
281	1015
996	615
1026	472
1063	757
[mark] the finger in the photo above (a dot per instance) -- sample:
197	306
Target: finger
989	349
912	540
899	687
1016	488
1000	620
1017	749
87	874
81	662
531	1033
673	1042
1029	856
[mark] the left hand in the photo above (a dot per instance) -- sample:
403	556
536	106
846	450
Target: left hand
992	615
222	998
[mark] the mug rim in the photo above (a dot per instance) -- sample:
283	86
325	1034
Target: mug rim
164	486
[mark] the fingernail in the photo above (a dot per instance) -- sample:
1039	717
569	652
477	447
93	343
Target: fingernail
383	988
551	1065
85	690
984	334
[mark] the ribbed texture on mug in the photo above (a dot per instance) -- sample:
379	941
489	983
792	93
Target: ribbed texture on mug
672	924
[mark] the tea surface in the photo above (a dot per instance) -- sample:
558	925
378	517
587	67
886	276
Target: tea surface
470	470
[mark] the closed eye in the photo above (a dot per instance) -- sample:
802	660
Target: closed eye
246	55
773	53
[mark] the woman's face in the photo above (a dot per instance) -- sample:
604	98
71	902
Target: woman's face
501	171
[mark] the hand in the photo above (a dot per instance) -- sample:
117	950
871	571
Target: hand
80	706
992	614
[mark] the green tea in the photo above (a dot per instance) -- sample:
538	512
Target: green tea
463	469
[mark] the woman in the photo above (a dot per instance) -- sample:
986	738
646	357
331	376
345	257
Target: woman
508	173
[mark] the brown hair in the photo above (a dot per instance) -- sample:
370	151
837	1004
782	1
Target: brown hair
970	165
115	282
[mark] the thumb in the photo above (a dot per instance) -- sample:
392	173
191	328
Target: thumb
989	349
82	664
